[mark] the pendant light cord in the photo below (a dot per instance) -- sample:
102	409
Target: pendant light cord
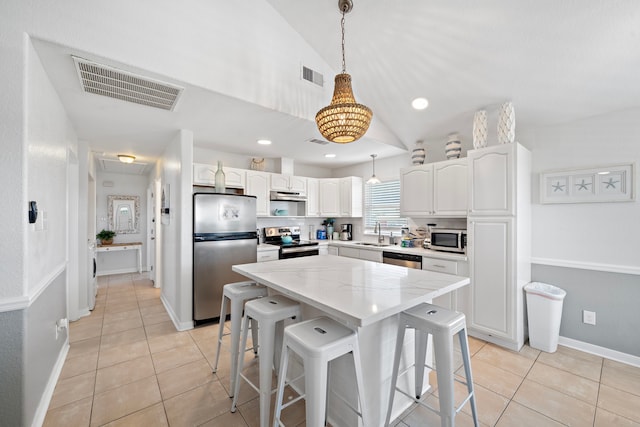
344	64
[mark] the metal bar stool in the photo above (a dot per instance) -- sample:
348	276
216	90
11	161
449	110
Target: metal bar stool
442	324
236	294
318	341
270	313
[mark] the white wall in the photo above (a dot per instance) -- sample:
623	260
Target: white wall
174	170
123	185
589	233
211	157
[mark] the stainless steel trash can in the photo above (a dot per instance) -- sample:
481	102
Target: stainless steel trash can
544	313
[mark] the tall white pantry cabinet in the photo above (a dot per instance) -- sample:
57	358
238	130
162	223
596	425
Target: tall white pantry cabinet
499	242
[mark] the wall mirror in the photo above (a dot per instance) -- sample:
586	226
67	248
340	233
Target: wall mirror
124	214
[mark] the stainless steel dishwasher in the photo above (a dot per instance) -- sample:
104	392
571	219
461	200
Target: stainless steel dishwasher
405	260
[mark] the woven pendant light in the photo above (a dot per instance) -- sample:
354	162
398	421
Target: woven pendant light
344	120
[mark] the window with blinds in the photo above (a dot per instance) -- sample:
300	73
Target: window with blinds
382	203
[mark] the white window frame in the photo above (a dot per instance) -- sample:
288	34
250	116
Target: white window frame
390	221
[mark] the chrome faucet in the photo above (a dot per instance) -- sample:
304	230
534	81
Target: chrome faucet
378	228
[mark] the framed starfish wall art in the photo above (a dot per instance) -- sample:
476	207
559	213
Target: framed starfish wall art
612	183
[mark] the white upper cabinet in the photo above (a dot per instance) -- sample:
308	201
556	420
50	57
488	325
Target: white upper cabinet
206	175
416	190
438	189
492	180
329	197
258	184
450	187
296	184
313	197
351	197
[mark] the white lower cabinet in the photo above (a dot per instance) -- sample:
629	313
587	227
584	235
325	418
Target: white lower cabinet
332	250
496	309
366	254
456	300
268	255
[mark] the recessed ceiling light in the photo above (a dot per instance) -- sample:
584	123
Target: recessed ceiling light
420	103
330	156
264	142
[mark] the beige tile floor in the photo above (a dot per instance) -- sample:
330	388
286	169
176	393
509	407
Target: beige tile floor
128	366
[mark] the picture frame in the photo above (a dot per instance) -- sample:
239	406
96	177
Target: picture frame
124	214
610	183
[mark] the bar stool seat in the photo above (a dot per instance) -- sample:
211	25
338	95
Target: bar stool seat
318	341
236	295
270	313
442	324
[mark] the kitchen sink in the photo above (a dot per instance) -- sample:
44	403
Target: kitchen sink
371	244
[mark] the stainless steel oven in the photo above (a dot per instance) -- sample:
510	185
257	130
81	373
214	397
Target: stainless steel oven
293	249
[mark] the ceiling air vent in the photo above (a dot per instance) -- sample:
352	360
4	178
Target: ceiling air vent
312	76
319	141
108	81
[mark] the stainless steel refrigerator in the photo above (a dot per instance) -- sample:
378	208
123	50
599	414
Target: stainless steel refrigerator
224	234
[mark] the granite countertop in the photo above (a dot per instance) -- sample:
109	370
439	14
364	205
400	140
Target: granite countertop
356	291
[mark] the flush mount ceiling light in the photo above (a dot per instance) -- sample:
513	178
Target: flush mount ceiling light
420	103
330	155
374	179
264	142
126	158
344	120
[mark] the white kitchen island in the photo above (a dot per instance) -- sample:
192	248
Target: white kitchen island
366	296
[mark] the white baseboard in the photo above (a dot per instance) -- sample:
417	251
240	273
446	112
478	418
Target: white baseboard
45	400
607	353
181	326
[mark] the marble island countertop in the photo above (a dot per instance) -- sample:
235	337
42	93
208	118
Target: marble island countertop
358	292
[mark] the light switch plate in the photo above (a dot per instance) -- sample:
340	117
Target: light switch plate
589	317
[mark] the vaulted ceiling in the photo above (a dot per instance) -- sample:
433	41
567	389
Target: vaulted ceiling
557	61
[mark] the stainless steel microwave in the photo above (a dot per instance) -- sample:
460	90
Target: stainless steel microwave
449	240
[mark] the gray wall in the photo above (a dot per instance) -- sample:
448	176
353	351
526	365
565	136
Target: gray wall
613	296
11	367
29	351
42	347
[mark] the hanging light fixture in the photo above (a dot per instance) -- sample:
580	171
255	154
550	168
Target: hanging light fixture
344	120
374	179
126	158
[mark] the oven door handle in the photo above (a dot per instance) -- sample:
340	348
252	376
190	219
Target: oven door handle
300	249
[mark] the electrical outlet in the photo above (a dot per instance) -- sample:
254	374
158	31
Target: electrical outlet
589	317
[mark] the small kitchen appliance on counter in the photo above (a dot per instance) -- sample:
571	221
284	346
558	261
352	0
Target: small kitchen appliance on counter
346	232
448	240
290	248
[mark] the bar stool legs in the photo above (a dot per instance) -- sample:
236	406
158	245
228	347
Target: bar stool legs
236	294
270	313
318	341
442	324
